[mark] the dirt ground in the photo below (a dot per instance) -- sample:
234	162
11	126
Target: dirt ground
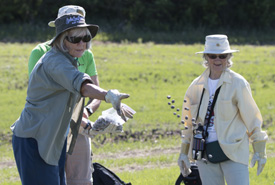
142	135
138	153
127	154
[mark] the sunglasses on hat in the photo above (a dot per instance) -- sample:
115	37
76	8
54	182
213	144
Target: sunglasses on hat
76	40
213	56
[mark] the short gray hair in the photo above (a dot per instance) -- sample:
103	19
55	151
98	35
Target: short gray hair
59	42
229	61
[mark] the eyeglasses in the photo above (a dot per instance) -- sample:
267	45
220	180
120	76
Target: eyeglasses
213	56
76	40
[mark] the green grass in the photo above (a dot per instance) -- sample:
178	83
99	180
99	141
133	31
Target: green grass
158	169
148	72
159	175
168	176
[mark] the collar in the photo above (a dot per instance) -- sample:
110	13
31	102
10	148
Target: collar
73	60
225	78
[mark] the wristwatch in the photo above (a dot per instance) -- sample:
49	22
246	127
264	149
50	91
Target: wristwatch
88	124
89	110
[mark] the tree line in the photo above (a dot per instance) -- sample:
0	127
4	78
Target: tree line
151	15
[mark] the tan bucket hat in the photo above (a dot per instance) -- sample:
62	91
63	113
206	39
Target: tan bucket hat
217	44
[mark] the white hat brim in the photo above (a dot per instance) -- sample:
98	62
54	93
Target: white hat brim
218	52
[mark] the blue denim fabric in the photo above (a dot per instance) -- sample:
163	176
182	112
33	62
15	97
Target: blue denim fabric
32	168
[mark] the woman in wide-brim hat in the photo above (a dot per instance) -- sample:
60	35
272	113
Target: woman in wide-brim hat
55	87
225	116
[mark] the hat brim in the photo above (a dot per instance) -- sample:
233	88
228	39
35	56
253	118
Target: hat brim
92	28
218	52
51	24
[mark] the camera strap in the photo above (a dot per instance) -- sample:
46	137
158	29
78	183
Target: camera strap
211	109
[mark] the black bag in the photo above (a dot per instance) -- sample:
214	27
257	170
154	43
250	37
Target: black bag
104	176
214	152
192	179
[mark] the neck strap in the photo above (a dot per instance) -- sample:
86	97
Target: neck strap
211	109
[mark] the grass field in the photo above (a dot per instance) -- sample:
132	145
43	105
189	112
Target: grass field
148	72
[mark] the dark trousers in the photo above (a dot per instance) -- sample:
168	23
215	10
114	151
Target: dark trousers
33	170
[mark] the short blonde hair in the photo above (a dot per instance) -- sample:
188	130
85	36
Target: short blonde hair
75	32
229	61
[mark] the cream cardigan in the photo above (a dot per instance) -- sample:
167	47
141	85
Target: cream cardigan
237	116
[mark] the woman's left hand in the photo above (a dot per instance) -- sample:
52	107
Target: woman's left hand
259	155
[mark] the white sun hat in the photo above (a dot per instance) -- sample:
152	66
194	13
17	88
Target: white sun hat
69	10
217	44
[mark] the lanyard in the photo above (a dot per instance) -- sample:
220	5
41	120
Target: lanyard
211	109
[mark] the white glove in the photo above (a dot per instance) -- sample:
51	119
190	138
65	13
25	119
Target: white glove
115	97
259	155
128	111
183	160
184	165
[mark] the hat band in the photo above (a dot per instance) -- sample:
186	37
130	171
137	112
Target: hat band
75	20
68	22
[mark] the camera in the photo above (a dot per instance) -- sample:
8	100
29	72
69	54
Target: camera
198	142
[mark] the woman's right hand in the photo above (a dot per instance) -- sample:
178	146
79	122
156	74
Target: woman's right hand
114	96
184	165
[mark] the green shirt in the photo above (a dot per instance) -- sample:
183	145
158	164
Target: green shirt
86	61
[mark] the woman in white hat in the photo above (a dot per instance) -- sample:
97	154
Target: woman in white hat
221	117
54	93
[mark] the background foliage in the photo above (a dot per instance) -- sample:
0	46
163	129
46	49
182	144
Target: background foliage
155	15
26	20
